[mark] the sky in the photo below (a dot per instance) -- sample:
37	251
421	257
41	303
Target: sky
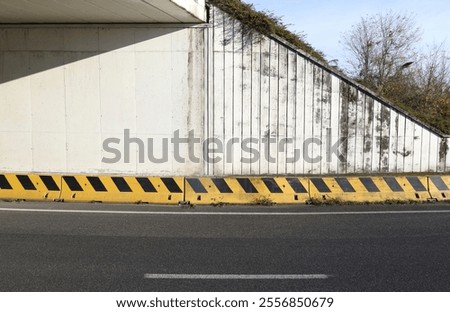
323	22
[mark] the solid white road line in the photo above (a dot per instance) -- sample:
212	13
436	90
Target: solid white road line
230	213
237	276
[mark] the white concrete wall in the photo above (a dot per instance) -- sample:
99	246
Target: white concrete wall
65	89
263	88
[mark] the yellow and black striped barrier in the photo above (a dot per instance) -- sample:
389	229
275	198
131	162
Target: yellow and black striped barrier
78	188
246	190
370	189
30	187
440	187
227	190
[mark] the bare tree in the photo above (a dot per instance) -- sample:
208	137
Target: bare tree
433	72
383	55
380	47
432	82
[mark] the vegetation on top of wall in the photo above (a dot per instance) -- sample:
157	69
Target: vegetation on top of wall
265	23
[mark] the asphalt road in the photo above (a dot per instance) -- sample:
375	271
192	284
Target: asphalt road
93	247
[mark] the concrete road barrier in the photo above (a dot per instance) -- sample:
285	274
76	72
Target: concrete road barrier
223	190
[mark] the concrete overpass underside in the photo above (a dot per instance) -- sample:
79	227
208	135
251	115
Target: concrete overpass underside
102	11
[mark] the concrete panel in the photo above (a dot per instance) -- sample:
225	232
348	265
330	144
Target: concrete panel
308	146
273	114
360	132
368	144
393	141
77	39
15	107
121	39
154	83
447	164
300	122
117	91
283	92
84	152
326	132
159	40
385	116
417	155
247	112
47	92
265	106
333	156
352	126
401	151
45	39
15	39
409	146
49	151
291	112
237	98
425	146
82	93
16	156
434	153
256	101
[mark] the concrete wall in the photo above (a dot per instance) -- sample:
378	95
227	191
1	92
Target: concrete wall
271	110
264	89
64	90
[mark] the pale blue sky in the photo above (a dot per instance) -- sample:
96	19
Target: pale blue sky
324	21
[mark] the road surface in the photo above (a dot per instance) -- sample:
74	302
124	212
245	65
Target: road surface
95	247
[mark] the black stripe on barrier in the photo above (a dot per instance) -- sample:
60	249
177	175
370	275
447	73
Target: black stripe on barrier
320	185
272	185
122	185
50	184
222	186
247	185
416	184
171	185
73	184
146	185
197	186
440	184
296	185
369	185
97	184
4	184
345	185
393	184
26	182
